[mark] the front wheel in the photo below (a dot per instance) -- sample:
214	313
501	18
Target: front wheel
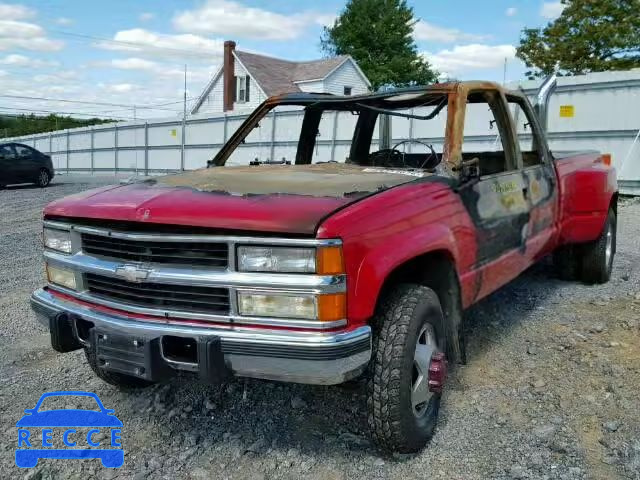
43	178
408	369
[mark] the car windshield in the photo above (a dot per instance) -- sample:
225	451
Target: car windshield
67	402
404	130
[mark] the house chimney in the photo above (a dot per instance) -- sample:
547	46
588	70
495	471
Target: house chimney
228	69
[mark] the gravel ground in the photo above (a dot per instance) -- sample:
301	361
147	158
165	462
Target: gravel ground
551	389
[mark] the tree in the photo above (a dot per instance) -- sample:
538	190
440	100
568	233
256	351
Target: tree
589	36
378	34
14	126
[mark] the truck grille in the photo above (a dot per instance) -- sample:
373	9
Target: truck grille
210	254
186	298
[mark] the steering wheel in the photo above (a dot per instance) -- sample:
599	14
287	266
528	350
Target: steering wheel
432	159
388	157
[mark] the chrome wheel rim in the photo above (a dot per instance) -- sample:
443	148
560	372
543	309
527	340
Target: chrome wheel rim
426	346
608	251
44	177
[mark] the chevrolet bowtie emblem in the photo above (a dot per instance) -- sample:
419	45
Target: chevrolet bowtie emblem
132	273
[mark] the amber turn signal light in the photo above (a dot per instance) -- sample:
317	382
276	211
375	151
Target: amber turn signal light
329	261
332	307
606	159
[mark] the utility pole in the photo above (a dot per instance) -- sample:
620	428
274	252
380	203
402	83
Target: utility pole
504	73
184	119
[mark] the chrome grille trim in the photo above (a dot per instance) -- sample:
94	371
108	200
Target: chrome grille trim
212	300
154	237
178	275
210	254
177	314
206	277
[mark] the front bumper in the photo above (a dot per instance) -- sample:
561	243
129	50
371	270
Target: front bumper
303	357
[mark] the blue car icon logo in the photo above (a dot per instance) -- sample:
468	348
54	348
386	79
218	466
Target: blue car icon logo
40	433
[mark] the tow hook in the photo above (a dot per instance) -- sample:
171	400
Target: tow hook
437	372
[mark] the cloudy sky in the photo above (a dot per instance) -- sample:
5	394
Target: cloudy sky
116	54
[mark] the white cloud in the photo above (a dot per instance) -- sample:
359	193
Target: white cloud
326	19
17	60
64	21
119	87
16	34
147	16
180	46
134	64
427	31
511	12
551	10
468	58
60	76
229	18
15	12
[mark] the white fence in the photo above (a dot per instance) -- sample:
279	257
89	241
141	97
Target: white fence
597	111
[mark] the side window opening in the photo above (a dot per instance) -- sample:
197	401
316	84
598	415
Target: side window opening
22	151
6	152
486	134
526	130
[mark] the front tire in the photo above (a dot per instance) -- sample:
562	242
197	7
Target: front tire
44	178
124	382
403	409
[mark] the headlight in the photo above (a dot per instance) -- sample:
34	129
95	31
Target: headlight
58	240
321	260
324	308
61	276
277	259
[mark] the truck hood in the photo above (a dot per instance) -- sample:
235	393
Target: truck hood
279	199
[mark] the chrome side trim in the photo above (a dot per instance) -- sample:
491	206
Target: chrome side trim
159	237
201	277
232	319
57	225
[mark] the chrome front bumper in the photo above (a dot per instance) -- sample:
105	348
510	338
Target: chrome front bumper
324	358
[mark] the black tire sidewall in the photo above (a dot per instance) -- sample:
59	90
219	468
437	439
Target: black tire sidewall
40	184
397	324
422	428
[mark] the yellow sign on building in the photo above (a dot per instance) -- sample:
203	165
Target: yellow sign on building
567	111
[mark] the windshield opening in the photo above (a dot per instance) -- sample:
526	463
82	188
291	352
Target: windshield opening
339	131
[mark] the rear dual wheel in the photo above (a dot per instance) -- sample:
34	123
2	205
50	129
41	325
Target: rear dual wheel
408	369
589	262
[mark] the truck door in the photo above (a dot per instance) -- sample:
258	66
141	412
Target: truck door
495	199
539	175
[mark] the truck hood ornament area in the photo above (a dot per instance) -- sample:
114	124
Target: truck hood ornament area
132	273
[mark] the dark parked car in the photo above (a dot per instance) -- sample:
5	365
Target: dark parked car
22	164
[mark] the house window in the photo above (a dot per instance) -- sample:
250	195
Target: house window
347	90
242	88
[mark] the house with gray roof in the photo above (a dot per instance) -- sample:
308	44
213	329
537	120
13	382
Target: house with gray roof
247	79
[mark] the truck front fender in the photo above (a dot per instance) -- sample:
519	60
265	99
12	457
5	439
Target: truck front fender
382	259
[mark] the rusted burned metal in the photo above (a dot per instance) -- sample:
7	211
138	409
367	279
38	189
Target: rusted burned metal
318	180
456	92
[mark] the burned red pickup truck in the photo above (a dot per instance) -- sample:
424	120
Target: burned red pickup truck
319	271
